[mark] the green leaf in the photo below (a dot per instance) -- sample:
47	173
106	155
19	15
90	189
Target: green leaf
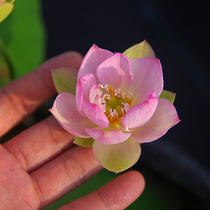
23	34
65	80
141	50
168	95
84	142
117	157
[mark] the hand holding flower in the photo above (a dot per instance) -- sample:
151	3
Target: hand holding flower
40	164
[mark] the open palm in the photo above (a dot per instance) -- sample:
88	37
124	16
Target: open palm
41	164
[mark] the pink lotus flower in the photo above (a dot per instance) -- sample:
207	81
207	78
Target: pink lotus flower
118	103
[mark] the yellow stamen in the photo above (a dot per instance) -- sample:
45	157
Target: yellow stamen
115	103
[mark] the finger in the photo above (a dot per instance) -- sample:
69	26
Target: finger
39	143
21	97
64	173
118	194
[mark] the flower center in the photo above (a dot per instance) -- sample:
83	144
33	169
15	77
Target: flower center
115	103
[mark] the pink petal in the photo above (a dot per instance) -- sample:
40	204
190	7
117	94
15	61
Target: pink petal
116	72
65	111
140	114
94	96
147	76
108	137
163	119
94	57
95	114
84	85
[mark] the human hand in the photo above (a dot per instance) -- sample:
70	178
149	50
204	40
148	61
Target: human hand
41	164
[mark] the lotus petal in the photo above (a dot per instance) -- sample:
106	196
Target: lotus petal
117	157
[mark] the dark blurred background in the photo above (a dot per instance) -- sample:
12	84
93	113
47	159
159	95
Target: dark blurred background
178	31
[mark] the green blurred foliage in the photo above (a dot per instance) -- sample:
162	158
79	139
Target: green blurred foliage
23	35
